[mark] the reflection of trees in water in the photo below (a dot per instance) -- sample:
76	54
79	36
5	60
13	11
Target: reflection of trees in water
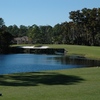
77	60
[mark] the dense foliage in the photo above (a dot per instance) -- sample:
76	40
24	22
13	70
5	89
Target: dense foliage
5	38
84	29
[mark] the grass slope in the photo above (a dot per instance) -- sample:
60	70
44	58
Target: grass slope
72	84
86	51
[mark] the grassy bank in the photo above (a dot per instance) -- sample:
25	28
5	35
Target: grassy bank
85	51
72	84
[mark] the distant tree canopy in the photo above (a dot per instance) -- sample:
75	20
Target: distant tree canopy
1	22
5	38
88	23
84	29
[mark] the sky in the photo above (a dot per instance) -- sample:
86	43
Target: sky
41	12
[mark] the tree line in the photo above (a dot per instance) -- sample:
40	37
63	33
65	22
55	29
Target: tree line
5	38
83	29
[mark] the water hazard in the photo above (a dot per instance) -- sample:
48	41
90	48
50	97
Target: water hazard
16	63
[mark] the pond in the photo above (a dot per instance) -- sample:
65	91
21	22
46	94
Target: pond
16	63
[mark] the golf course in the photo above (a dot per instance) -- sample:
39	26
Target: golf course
65	84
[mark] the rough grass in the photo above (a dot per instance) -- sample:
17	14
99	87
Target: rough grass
72	84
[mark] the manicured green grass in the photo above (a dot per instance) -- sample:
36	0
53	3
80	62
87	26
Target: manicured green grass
85	51
72	84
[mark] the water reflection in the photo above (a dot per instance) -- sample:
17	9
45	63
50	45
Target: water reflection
77	61
15	63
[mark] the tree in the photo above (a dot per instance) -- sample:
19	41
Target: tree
14	30
34	34
22	31
45	32
57	36
5	38
87	22
5	41
1	22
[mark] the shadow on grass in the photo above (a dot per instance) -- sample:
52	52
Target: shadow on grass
37	78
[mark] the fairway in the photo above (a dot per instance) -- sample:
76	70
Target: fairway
73	84
70	84
85	51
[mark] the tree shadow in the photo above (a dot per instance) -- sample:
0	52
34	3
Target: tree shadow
37	78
